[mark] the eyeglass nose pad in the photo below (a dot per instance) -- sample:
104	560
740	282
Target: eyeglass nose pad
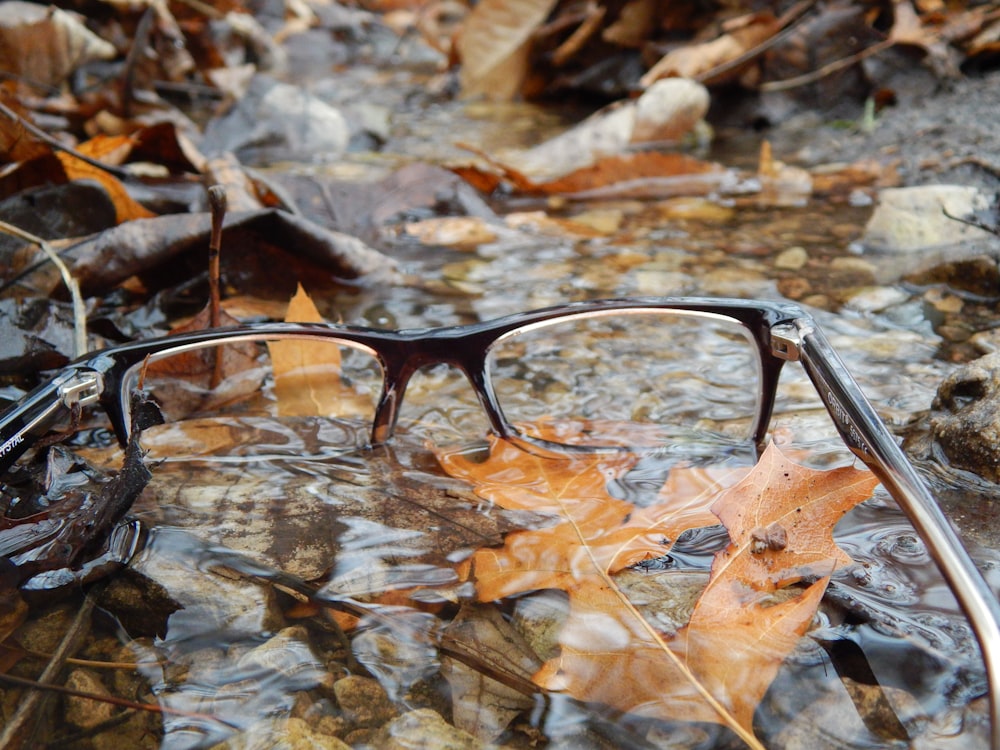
442	403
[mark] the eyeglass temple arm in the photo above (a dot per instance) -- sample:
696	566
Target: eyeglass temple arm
24	423
868	438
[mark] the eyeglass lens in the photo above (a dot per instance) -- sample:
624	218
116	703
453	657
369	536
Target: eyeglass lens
629	378
282	397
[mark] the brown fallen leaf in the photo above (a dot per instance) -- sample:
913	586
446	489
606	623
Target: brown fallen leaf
101	147
494	44
693	60
45	45
717	667
481	705
642	174
307	374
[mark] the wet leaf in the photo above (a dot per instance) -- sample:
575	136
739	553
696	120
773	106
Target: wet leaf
100	263
694	60
494	44
481	705
126	207
719	666
307	374
637	175
45	44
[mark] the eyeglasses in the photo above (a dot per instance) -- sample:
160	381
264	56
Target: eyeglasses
616	371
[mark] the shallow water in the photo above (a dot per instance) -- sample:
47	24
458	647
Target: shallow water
364	522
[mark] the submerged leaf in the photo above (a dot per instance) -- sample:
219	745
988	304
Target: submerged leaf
716	668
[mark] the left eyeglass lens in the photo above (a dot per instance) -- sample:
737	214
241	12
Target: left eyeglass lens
253	399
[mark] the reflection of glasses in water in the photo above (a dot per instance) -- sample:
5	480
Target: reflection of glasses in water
673	372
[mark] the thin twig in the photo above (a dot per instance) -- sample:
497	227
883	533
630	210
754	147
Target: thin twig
217	202
27	653
153	708
79	311
787	24
29	710
57	146
830	69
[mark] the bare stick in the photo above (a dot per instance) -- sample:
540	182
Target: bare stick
15	733
57	146
826	70
217	201
79	311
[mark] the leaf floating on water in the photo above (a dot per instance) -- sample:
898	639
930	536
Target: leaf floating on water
780	520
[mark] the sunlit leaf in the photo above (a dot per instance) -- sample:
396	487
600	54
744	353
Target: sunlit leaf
694	60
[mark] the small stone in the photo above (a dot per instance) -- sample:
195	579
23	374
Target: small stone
288	734
949	304
603	221
668	109
539	618
794	288
85	713
695	208
363	701
44	633
876	299
792	259
286	654
860	266
424	728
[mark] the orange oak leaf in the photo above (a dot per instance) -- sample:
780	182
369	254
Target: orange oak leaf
717	667
780	520
109	150
610	652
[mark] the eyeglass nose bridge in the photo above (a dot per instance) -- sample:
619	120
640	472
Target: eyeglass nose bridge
401	362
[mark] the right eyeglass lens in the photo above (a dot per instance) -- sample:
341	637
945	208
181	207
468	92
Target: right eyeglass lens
294	397
631	377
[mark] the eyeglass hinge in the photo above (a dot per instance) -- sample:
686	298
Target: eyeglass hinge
82	389
785	341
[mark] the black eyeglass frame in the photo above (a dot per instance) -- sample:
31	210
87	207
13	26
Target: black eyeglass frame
782	332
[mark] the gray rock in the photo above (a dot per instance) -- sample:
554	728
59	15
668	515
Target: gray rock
277	121
965	418
424	727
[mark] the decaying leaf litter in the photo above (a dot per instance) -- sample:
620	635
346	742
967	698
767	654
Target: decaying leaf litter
393	684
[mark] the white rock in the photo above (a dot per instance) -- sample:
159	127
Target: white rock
669	109
913	219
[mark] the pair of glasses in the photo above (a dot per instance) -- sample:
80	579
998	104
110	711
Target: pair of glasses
597	375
